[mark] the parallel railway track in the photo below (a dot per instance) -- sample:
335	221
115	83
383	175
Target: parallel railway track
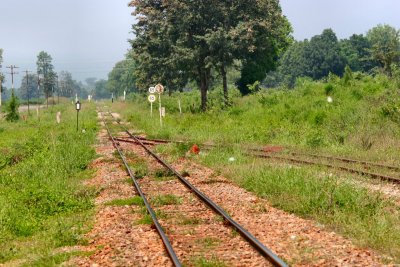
254	242
304	158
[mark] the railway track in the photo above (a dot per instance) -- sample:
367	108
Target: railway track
228	221
391	173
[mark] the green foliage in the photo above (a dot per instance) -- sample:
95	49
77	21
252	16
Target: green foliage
162	200
187	40
348	75
46	69
43	202
385	45
300	117
357	51
101	91
12	109
28	87
315	58
352	210
329	89
122	78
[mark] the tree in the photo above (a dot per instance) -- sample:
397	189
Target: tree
385	45
158	61
263	38
28	87
100	90
66	84
315	59
122	77
181	40
45	68
357	52
323	56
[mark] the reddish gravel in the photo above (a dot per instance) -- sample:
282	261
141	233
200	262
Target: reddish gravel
194	231
115	240
300	242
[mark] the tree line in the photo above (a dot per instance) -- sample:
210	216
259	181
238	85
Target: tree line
45	82
377	51
178	42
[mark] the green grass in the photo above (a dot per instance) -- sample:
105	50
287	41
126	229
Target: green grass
164	200
205	262
145	220
362	122
137	201
366	217
43	204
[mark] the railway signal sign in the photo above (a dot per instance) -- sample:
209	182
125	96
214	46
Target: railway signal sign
152	90
152	98
159	88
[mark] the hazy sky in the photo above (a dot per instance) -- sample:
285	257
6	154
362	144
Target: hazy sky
87	37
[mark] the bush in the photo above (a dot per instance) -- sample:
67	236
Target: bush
12	109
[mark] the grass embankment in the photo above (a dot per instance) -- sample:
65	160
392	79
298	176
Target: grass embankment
43	203
363	122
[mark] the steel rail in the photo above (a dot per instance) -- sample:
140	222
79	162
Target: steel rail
266	155
374	175
366	163
347	160
263	250
165	240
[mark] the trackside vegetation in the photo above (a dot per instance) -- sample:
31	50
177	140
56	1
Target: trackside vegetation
362	121
43	202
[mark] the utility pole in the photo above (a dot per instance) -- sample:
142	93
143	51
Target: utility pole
27	89
1	86
12	67
58	90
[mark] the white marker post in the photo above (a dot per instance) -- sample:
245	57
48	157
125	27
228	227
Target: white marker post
124	95
152	99
160	89
179	105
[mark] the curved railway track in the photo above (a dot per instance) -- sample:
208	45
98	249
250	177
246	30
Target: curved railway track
254	242
304	158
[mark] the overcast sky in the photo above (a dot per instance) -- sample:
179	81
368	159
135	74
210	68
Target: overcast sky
87	37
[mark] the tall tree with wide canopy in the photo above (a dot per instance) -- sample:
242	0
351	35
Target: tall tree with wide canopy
385	42
178	40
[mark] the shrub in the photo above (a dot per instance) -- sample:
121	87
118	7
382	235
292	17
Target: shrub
12	109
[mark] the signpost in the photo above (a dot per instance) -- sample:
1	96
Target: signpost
152	99
78	108
160	89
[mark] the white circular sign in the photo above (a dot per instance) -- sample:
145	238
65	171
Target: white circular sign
152	98
159	88
152	90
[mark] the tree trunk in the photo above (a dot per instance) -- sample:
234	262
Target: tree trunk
225	85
